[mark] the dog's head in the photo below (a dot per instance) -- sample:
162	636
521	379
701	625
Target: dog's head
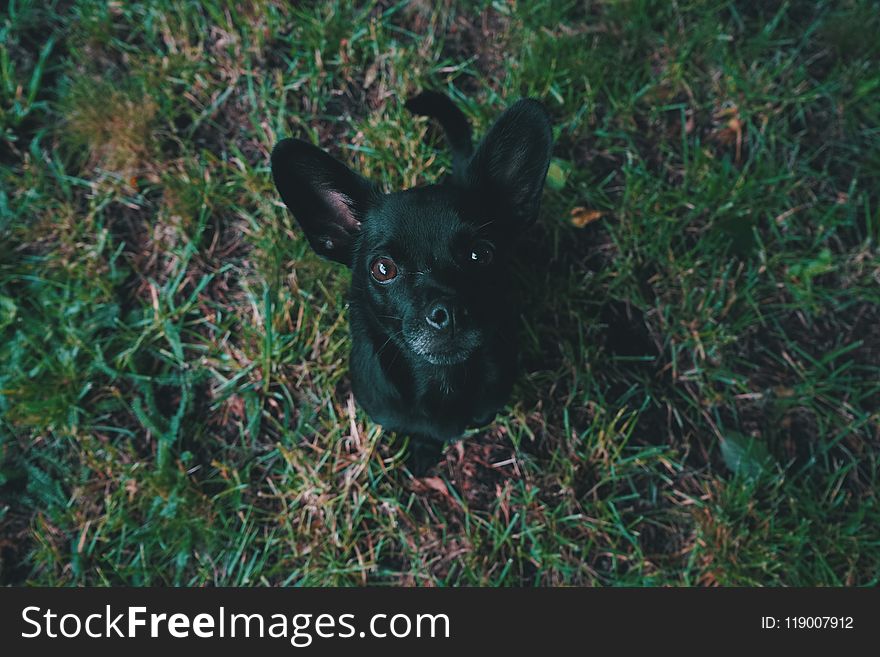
430	265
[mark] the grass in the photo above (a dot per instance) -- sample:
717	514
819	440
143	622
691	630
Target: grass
700	396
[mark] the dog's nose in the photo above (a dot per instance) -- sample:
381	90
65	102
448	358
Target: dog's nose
439	316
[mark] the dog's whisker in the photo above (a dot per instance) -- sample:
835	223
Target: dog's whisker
390	338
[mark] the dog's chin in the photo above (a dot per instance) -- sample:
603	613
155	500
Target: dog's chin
445	357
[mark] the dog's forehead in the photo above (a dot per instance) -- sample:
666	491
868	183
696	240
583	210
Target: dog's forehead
427	216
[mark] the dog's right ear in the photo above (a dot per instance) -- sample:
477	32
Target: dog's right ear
328	199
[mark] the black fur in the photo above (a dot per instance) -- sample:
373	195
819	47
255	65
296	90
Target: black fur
433	348
455	125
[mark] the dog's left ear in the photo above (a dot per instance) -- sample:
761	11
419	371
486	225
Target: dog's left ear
511	162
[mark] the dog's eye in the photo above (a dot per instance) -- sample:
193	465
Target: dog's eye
482	253
383	270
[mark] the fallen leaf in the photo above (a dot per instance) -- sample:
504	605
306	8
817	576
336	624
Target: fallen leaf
425	484
725	112
744	455
784	392
8	311
732	133
370	75
131	488
580	217
557	173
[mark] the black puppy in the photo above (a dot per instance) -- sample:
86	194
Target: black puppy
433	320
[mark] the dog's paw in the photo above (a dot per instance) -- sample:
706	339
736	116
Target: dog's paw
423	455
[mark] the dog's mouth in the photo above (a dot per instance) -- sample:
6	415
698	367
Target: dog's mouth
444	352
445	358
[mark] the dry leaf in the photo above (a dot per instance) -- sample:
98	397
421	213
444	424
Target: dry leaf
580	217
370	75
732	133
425	484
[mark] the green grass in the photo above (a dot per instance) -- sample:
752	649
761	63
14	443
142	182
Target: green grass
700	394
